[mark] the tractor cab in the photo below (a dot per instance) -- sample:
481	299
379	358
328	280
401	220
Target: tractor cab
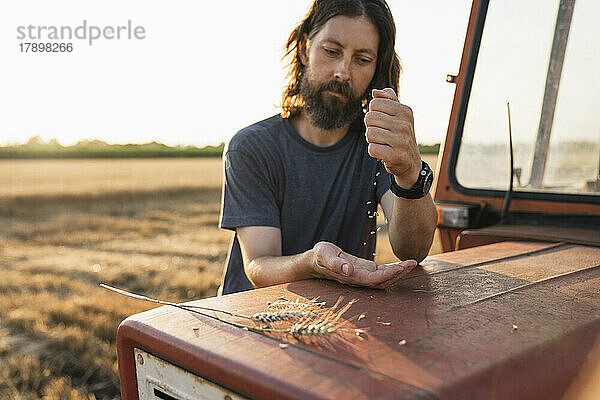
521	160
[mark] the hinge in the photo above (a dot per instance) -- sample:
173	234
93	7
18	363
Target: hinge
451	78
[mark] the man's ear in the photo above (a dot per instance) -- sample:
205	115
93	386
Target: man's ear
303	49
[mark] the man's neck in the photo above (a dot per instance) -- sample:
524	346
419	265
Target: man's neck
314	135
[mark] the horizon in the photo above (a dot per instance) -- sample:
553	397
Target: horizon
53	141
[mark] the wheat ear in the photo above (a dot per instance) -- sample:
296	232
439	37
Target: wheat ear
323	324
265	317
308	325
284	304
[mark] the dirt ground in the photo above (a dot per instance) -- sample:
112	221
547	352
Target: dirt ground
65	227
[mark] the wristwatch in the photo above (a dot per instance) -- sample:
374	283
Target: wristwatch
419	189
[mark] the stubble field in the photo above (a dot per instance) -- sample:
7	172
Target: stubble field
149	226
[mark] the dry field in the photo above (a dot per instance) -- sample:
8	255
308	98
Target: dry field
65	226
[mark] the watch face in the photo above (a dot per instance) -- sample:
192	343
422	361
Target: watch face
427	173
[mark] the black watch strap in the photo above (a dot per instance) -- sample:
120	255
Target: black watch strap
419	189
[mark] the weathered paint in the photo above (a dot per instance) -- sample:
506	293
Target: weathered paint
157	378
456	314
499	233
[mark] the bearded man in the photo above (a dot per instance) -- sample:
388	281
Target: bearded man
301	189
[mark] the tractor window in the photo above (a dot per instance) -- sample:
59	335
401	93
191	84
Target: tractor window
542	57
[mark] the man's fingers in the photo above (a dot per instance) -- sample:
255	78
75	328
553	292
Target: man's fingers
380	151
397	270
359	263
404	266
329	257
392	108
339	266
346	268
387	102
403	121
351	270
386	106
381	277
374	134
376	277
388	274
387	93
408	266
380	120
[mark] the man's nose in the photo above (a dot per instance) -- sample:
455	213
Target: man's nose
342	70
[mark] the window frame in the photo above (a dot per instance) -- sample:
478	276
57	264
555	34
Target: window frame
474	46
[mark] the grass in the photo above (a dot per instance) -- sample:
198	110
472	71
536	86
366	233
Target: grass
66	226
149	226
83	180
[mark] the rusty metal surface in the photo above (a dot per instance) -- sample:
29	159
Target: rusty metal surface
456	314
475	237
247	363
489	253
558	261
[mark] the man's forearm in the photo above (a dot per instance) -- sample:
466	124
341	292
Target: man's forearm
412	226
273	270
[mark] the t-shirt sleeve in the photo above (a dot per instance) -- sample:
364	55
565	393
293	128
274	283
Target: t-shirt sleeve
248	192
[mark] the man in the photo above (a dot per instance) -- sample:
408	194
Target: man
301	189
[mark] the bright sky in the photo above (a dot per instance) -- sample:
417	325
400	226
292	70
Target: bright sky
512	65
203	70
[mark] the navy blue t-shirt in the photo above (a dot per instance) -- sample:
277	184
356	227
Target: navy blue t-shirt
273	177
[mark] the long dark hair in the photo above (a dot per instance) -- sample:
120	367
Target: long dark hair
387	72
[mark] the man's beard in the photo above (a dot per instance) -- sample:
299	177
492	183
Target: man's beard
333	113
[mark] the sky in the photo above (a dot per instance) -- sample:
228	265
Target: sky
512	66
197	71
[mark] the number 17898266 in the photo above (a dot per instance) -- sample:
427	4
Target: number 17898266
46	47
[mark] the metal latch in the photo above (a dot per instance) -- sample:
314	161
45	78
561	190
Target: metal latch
451	78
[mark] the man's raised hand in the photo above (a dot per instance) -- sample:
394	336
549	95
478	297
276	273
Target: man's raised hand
391	137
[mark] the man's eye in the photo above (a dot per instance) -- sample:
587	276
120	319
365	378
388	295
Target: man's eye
364	60
330	52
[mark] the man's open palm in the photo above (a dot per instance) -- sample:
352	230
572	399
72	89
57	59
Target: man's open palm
333	263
